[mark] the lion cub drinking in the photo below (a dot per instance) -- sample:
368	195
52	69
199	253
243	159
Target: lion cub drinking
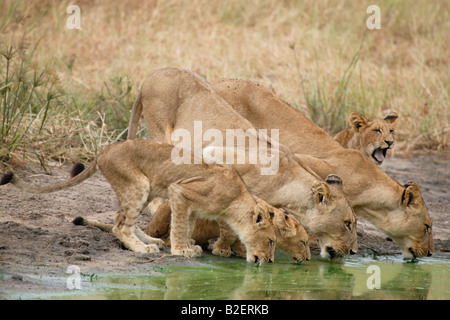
139	171
291	235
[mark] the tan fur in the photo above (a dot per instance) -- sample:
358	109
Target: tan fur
291	235
172	99
372	137
139	171
372	193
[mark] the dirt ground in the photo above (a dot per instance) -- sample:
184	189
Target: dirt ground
37	236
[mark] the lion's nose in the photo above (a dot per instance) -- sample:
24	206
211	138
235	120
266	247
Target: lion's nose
389	142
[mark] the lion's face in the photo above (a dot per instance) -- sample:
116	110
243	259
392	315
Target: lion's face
376	136
333	220
260	237
294	242
412	226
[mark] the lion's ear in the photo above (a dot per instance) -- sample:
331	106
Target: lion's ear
334	180
261	216
357	121
321	193
285	224
391	118
411	195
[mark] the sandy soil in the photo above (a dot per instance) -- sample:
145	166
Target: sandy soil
432	172
37	236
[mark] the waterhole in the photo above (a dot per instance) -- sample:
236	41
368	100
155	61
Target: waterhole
386	277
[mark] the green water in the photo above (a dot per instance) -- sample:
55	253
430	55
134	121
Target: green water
233	278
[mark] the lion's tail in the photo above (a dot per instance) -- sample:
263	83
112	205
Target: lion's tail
80	221
135	115
78	175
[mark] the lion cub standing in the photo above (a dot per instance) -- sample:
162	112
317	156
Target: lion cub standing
140	170
372	137
291	235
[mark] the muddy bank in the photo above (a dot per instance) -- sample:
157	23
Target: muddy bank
38	240
432	172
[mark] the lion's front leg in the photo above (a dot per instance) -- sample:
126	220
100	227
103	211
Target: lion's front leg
222	247
192	222
180	237
239	249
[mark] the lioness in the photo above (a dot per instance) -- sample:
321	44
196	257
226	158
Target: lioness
140	170
398	210
291	236
172	100
372	137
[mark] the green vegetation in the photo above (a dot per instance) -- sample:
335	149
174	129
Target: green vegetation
64	94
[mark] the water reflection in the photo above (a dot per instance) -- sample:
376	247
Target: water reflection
315	279
409	281
289	282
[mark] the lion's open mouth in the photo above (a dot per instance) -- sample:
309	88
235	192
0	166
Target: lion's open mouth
414	256
333	254
260	261
379	154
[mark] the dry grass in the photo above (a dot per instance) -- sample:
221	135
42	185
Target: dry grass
403	67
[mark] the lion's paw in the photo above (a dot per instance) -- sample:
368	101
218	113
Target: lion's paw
150	248
222	252
197	249
190	252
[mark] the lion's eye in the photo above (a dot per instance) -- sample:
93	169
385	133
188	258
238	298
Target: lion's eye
271	242
391	131
377	131
303	242
427	228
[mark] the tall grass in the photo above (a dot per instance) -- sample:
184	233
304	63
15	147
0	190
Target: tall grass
92	75
25	96
39	120
328	111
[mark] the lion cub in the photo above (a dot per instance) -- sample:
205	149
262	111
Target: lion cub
291	235
140	170
372	137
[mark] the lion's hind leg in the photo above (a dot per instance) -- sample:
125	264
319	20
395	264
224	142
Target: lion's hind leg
133	198
148	239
